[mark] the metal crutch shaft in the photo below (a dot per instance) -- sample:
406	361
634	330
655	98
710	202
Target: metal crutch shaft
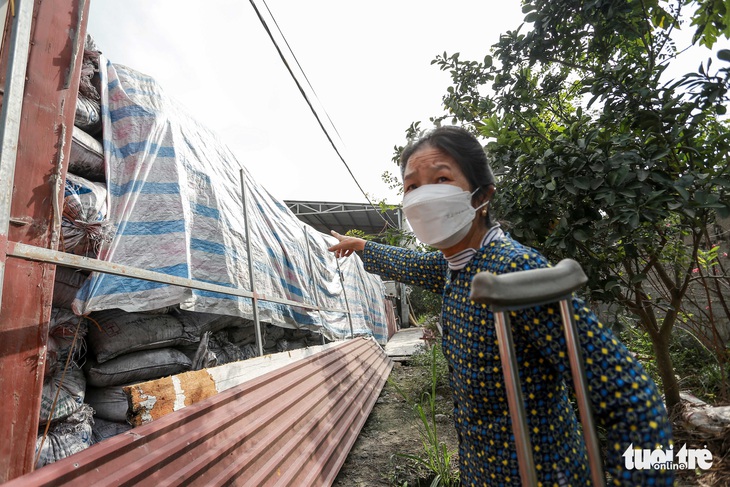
524	289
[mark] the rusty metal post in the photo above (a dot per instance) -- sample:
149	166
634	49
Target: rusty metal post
254	298
45	38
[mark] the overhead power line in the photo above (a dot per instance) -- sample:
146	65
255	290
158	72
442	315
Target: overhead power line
306	98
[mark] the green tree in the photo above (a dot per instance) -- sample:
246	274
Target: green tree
599	158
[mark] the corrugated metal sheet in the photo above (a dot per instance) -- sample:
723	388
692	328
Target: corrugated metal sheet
293	426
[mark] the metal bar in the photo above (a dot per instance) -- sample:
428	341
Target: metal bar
580	385
405	311
10	118
39	254
528	474
311	274
344	293
254	298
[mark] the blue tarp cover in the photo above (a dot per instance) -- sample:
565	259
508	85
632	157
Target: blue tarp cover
175	204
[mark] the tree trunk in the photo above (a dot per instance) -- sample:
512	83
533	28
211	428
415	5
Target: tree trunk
660	343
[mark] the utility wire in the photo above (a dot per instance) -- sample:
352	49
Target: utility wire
301	70
311	107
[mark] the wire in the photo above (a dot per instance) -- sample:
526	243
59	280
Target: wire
306	98
301	69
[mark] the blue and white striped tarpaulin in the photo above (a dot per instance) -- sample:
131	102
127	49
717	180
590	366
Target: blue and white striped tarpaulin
175	202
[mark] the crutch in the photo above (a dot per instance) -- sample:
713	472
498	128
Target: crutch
516	290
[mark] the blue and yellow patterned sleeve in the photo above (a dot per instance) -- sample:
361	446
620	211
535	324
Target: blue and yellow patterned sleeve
625	400
423	269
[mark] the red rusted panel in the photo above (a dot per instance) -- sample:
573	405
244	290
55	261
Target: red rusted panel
293	426
48	106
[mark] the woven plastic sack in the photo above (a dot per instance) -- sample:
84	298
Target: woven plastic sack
103	429
66	285
109	403
119	332
84	226
87	156
63	394
137	367
66	335
66	438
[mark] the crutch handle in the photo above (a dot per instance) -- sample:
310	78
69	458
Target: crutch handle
528	288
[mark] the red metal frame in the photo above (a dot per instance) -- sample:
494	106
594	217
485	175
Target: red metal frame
44	144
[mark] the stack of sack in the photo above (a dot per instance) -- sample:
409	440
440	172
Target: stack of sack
83	226
65	420
91	359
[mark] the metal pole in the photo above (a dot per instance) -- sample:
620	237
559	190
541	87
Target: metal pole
516	402
580	385
254	298
10	118
50	256
315	289
405	312
344	293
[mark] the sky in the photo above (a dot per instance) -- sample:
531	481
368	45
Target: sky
368	63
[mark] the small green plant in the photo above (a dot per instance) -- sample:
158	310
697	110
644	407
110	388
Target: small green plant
436	458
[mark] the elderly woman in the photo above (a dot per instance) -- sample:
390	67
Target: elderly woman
448	185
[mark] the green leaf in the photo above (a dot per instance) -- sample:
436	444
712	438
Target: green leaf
724	54
636	279
582	182
627	192
580	235
682	192
634	220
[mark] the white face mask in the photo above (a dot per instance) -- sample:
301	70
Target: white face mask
440	214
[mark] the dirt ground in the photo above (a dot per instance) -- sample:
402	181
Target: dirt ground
391	430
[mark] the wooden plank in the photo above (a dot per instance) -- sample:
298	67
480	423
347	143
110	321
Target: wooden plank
404	343
154	399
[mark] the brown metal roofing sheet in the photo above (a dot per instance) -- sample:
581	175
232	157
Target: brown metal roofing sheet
293	426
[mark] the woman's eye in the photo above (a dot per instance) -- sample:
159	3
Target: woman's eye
410	187
442	179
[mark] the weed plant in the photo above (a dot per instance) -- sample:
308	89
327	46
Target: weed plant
436	456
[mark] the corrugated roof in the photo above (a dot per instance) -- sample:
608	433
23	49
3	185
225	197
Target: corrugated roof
293	426
341	217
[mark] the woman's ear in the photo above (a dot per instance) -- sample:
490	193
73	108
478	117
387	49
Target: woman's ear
485	195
